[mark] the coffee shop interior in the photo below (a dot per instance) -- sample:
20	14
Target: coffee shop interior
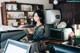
60	34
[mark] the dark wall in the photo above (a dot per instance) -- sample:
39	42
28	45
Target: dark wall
70	11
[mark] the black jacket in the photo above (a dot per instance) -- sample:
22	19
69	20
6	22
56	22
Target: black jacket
39	33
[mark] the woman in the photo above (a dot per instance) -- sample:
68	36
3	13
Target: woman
39	31
38	22
38	18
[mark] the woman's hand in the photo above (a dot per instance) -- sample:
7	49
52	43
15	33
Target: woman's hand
30	30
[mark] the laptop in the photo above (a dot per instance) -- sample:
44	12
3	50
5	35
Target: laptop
13	46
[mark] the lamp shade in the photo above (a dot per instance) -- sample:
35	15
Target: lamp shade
52	16
55	2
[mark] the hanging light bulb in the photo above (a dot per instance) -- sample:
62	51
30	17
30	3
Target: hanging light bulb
55	2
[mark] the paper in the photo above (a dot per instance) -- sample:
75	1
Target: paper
15	49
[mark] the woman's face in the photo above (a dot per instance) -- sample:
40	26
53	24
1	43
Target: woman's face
36	17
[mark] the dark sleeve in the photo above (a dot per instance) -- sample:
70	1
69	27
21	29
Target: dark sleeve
39	33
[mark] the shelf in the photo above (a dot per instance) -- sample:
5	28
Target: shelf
18	12
14	11
16	18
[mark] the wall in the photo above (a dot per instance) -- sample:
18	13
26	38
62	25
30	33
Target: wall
70	12
0	17
44	2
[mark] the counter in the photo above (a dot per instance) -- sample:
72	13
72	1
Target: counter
10	34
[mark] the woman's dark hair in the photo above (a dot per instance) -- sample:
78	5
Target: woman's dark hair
41	16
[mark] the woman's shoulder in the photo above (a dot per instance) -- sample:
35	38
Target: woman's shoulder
40	26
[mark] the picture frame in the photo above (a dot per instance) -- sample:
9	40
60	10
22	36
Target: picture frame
26	7
30	14
11	7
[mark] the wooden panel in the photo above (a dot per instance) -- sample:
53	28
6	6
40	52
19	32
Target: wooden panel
70	11
77	12
3	12
51	1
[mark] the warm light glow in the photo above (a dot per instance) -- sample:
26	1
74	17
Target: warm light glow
13	0
77	30
55	2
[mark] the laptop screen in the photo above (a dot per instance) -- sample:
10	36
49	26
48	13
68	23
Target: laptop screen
13	46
